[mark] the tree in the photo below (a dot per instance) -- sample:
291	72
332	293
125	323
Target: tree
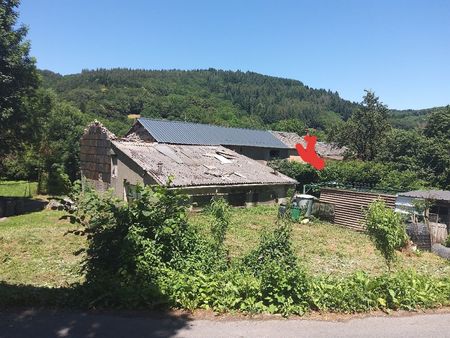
438	125
290	125
18	78
366	128
428	157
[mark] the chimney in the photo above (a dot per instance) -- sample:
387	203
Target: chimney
159	170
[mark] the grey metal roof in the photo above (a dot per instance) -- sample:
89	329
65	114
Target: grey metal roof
442	195
177	132
199	165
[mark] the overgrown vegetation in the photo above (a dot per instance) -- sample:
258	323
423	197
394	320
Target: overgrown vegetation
369	175
386	229
149	245
220	212
151	253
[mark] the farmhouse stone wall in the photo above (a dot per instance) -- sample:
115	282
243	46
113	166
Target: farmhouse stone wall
95	156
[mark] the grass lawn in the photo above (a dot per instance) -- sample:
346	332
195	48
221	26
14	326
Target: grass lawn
322	248
34	250
18	188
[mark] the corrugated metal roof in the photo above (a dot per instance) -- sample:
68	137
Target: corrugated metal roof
176	132
442	195
197	165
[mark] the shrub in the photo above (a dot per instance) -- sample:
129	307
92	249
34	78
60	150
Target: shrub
274	246
58	181
220	211
447	242
131	245
386	228
284	290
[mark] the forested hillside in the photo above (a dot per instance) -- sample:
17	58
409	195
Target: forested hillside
209	96
411	118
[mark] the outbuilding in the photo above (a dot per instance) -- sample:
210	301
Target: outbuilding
202	171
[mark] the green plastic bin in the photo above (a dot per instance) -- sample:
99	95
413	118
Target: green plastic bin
295	213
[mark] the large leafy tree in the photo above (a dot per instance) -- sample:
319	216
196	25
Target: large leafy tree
366	128
438	125
18	78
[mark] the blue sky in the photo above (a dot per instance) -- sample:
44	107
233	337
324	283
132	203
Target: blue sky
399	49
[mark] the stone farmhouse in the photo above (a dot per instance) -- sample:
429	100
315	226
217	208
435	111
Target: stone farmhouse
259	145
202	160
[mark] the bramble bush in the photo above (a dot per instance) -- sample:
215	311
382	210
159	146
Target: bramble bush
146	254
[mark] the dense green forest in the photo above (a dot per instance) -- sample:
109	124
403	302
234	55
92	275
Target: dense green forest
243	99
411	118
240	99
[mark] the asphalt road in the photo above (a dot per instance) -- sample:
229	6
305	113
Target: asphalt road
46	323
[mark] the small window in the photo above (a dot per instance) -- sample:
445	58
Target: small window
114	166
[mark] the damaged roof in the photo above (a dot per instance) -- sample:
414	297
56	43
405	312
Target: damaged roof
194	165
176	132
441	195
323	149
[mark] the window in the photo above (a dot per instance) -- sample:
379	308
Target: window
113	166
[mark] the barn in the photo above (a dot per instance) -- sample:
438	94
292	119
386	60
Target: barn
200	170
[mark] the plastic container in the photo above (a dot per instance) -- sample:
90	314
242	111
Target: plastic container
295	213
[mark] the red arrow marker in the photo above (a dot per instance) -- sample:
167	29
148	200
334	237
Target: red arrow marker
309	154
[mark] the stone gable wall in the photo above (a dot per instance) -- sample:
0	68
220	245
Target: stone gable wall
95	156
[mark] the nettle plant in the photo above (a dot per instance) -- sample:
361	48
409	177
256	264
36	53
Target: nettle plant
386	228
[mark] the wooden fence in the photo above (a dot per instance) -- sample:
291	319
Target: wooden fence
349	205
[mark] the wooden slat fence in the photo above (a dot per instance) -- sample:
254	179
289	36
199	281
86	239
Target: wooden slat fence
349	205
